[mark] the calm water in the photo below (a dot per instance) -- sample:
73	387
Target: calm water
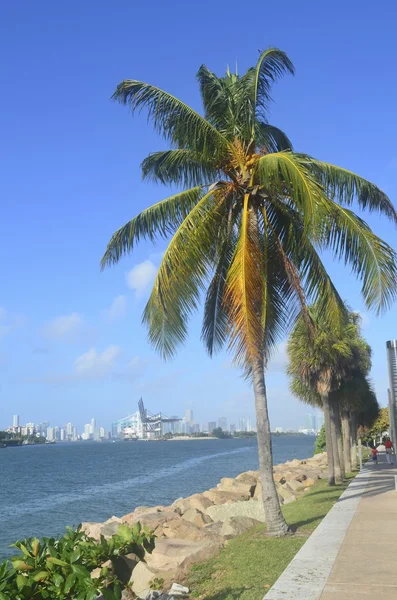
45	488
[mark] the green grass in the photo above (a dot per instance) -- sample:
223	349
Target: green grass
249	565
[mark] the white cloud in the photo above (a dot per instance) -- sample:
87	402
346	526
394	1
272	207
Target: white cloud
141	277
116	310
96	364
68	328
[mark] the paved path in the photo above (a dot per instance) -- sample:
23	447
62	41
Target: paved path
352	553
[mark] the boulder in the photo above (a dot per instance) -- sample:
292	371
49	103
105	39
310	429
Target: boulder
309	482
249	477
173	555
197	501
285	493
279	477
183	529
93	530
250	508
223	497
153	519
237	525
295	486
141	578
196	517
244	488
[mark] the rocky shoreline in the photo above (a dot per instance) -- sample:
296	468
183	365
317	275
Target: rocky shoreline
195	528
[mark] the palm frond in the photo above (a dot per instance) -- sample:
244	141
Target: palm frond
297	245
345	186
161	219
281	172
215	322
179	167
271	138
271	65
172	118
183	271
244	292
371	259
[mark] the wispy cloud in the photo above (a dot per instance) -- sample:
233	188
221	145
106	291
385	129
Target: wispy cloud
141	277
116	310
68	328
95	365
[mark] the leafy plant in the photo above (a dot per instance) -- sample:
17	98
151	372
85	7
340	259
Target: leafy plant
63	569
320	444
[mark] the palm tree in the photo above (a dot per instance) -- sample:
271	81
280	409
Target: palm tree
321	360
246	229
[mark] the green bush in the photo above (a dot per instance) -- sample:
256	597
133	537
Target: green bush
62	568
320	445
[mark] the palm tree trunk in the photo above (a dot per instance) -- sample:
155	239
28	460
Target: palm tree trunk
338	428
353	442
275	522
328	439
347	434
334	437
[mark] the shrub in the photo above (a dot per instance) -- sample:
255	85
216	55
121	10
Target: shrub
320	444
62	568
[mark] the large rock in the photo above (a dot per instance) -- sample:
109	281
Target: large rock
223	497
285	493
245	489
173	555
141	578
249	477
236	526
197	501
93	530
183	529
196	517
295	486
249	508
153	519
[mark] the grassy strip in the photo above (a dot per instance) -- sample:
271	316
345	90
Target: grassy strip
250	564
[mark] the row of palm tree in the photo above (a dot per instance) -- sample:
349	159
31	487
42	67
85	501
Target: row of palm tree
329	368
246	228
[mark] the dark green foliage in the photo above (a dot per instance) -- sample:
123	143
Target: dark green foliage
219	433
320	445
50	569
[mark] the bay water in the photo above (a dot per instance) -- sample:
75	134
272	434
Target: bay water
44	488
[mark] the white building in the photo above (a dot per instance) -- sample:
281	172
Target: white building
15	421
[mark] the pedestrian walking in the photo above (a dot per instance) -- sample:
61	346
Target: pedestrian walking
389	451
374	455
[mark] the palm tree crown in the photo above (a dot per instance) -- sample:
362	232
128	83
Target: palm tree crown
251	218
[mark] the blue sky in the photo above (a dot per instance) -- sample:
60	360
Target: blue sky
71	342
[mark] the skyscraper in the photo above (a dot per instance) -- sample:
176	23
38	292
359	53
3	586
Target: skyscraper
15	421
249	426
93	426
222	423
189	415
391	349
211	426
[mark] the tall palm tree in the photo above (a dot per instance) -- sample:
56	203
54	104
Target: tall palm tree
321	360
246	229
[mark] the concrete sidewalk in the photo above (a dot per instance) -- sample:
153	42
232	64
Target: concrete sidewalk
352	553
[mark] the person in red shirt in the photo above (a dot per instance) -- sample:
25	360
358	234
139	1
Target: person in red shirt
375	455
389	451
